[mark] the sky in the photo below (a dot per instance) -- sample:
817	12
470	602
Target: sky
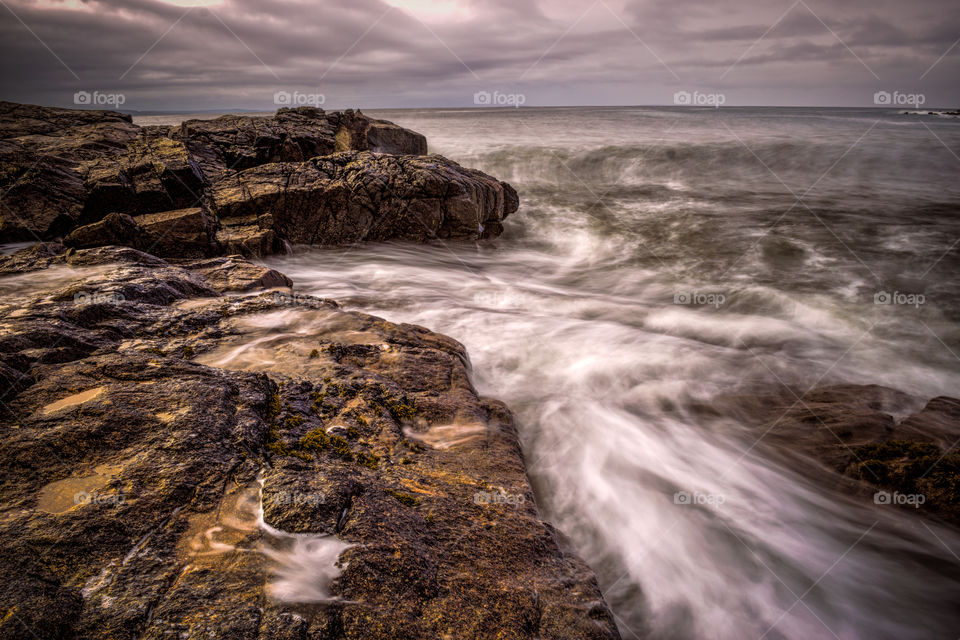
186	55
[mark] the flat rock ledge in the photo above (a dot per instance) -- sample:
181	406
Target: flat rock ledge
186	461
235	184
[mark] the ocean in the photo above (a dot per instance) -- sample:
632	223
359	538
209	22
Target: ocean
666	257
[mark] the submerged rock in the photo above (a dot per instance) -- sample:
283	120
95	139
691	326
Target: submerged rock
184	464
848	437
64	169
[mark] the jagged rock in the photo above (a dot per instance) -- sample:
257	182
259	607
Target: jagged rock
252	237
356	132
41	150
153	175
149	414
354	196
32	258
184	233
65	168
292	135
114	229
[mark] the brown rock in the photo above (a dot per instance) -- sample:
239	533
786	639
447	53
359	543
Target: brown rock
138	447
41	150
114	229
184	233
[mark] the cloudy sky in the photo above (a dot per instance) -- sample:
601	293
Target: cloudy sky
215	54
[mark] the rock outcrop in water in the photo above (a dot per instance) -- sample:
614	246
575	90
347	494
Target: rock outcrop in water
353	196
192	450
181	463
368	179
848	438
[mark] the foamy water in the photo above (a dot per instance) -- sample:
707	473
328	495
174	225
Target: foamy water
659	259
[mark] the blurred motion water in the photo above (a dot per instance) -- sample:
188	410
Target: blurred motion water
662	257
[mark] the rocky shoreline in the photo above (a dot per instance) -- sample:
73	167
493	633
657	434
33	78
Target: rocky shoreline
347	482
233	185
194	449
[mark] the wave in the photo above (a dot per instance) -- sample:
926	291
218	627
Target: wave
725	167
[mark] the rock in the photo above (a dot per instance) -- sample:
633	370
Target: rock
114	229
240	142
41	150
149	417
66	168
152	176
233	273
235	143
185	233
846	437
354	196
356	132
32	258
252	237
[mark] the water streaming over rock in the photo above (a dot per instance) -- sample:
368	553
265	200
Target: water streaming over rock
662	258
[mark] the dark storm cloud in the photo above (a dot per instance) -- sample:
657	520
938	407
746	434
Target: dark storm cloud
366	53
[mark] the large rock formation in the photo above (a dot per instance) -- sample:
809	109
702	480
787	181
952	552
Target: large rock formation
180	463
43	152
354	196
65	169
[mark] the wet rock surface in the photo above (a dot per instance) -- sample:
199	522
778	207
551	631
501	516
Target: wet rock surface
184	463
354	196
66	169
870	441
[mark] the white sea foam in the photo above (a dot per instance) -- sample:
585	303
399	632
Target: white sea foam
571	318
